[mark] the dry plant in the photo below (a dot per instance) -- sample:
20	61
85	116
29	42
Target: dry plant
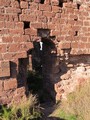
77	104
27	109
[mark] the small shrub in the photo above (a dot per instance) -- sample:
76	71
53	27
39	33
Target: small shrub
26	110
77	105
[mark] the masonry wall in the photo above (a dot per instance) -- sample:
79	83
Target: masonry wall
68	22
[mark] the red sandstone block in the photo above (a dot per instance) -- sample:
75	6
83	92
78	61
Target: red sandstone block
47	2
16	31
69	38
72	22
19	25
45	7
8	56
63	45
13	47
1	24
23	4
15	4
56	9
3	48
7	39
36	25
4	69
55	2
87	34
31	18
88	29
42	19
12	10
81	45
1	17
10	84
22	54
22	38
87	45
9	25
4	31
29	46
5	3
86	23
13	17
84	39
74	45
63	21
51	26
30	31
60	38
48	14
55	33
11	56
38	13
44	25
76	28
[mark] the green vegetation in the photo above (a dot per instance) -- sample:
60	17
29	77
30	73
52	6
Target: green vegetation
77	105
26	110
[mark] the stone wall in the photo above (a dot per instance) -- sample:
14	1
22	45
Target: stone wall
20	22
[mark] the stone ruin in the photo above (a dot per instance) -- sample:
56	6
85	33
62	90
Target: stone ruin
63	28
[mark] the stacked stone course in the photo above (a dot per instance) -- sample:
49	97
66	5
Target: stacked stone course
69	23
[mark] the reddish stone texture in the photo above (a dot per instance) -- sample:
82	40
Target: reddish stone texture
69	24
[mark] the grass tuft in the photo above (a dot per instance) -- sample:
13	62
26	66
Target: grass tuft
77	105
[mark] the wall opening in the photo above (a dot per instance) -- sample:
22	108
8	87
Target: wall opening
78	6
26	24
42	1
76	33
22	74
41	79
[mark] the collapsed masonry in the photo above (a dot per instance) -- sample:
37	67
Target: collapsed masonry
64	29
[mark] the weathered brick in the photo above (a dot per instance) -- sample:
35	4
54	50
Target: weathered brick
64	45
13	10
56	9
5	69
36	25
19	25
45	7
9	24
15	4
30	31
2	25
23	4
10	84
13	17
31	18
16	31
7	39
5	3
3	48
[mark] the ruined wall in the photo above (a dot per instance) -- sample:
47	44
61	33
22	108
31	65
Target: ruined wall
20	22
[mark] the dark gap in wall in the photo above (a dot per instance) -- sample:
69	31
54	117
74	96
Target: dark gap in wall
22	74
60	4
78	6
42	1
26	24
75	19
19	1
43	33
76	33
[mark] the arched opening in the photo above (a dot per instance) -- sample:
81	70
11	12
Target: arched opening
42	76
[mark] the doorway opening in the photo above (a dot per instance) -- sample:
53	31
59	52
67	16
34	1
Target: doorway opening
40	79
